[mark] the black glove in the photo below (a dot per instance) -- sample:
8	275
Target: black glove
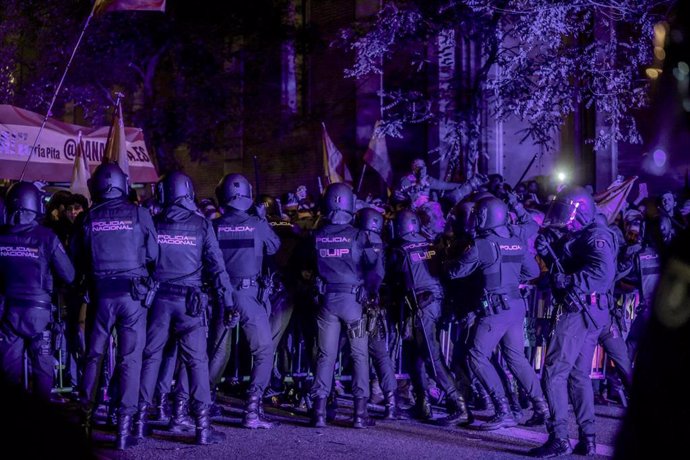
541	244
260	211
562	281
231	318
469	320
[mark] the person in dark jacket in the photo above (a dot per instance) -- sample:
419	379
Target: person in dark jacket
30	257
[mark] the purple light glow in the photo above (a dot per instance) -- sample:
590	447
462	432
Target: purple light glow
659	157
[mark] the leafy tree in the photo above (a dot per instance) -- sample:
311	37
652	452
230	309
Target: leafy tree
540	60
175	69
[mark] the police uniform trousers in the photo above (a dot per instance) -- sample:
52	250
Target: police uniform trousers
382	361
567	367
340	307
24	327
505	327
428	349
282	307
611	340
637	331
116	310
168	368
168	317
256	327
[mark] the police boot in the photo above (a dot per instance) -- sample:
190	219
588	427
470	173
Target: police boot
361	416
205	434
162	409
111	418
586	445
390	406
331	407
554	447
318	415
252	414
422	408
540	412
140	425
124	439
482	400
214	410
457	411
180	422
503	418
87	422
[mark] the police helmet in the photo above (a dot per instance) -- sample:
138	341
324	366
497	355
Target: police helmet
173	187
406	222
24	196
489	213
573	206
369	219
108	181
460	218
235	191
339	203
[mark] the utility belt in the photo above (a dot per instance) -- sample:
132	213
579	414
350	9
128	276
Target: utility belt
600	300
575	303
25	303
196	300
244	283
356	289
493	304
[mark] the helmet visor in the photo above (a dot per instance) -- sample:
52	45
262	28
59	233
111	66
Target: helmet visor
560	214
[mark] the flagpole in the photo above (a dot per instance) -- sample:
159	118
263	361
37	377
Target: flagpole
57	90
116	113
361	178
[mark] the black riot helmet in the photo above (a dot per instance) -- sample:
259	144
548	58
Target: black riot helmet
369	219
489	213
339	203
235	191
573	207
406	223
271	205
24	196
108	181
173	187
460	218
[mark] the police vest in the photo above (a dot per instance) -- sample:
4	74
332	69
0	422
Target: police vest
181	250
338	255
24	269
649	263
241	244
117	240
423	262
502	276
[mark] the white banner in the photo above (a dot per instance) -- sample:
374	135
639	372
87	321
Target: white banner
53	158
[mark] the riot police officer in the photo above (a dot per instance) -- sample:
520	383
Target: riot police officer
30	255
371	221
188	250
587	256
116	248
244	240
345	259
504	262
281	271
419	263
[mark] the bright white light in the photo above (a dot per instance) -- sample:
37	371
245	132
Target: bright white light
561	176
